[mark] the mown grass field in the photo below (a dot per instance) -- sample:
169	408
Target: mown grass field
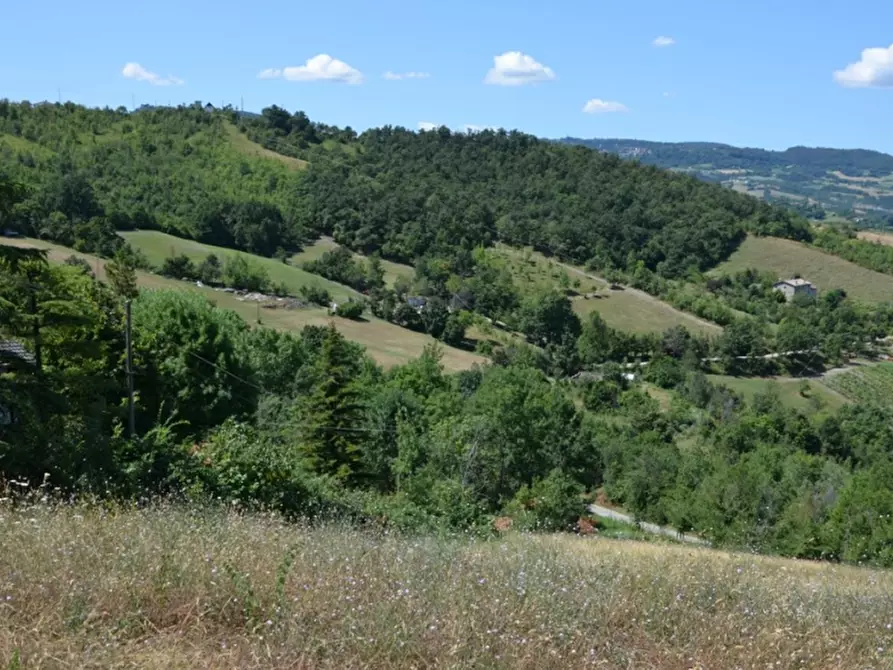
866	383
158	246
786	258
388	344
820	397
172	587
628	309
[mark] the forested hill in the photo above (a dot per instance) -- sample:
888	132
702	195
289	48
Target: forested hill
405	194
856	182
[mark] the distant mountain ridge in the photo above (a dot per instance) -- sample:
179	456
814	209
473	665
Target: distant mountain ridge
857	183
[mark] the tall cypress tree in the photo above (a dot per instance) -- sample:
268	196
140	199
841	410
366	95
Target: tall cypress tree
334	412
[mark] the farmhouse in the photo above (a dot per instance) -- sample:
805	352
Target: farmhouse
794	287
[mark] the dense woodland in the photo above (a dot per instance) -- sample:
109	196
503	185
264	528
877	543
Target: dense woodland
309	425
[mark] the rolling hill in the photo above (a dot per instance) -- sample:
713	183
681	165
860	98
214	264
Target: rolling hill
388	344
845	181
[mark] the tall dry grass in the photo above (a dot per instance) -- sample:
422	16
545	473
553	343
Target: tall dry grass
174	587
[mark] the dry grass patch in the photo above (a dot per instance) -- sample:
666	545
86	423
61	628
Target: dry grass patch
176	587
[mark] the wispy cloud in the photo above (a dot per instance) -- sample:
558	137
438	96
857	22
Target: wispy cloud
597	106
428	125
514	68
139	73
663	41
319	68
397	76
875	68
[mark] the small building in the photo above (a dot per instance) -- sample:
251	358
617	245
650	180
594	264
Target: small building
14	356
209	108
417	303
794	287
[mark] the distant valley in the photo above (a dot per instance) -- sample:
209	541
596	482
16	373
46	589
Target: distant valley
852	183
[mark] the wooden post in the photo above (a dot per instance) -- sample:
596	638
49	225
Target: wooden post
128	338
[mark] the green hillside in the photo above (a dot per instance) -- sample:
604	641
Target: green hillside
90	172
785	259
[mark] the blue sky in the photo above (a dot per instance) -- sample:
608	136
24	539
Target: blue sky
760	73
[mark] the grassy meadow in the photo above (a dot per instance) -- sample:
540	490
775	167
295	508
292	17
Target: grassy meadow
819	397
240	142
626	309
785	258
388	344
174	587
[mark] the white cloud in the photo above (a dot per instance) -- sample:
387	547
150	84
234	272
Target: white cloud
138	72
427	125
514	68
319	68
874	69
596	106
663	41
397	76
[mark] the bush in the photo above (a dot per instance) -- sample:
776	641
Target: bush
179	267
239	273
550	504
352	309
315	294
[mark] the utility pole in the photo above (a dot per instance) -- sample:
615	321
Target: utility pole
128	338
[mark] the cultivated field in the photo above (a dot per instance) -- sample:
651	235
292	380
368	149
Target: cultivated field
867	383
388	344
171	587
871	236
786	258
627	309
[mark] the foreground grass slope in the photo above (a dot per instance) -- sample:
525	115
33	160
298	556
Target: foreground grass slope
786	259
190	588
388	344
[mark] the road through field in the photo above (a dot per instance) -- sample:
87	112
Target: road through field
652	528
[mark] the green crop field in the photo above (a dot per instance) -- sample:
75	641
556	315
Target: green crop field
388	344
866	383
818	397
627	309
785	259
